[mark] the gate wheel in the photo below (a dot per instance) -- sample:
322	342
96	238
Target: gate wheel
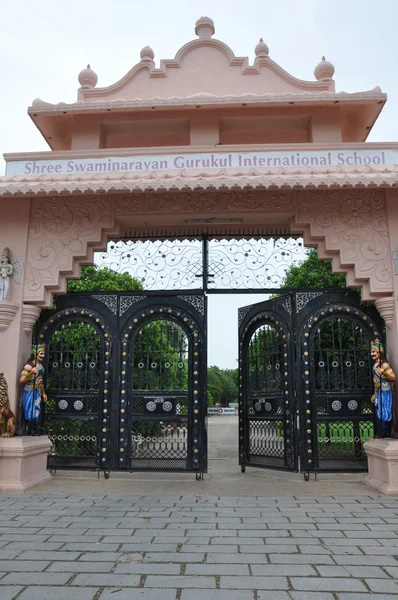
243	469
306	476
200	476
107	474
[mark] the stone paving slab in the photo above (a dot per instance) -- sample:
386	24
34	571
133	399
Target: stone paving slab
294	549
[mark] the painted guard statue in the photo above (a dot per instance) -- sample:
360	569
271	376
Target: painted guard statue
383	378
33	392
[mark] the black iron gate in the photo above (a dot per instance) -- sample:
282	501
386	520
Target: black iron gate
306	354
266	394
126	382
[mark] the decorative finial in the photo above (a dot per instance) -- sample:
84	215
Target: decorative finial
204	27
88	78
261	50
324	70
147	54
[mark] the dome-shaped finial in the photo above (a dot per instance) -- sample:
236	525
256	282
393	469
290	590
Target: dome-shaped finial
88	77
324	70
147	54
204	27
261	50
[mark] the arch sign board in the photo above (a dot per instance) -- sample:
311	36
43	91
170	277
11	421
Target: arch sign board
204	161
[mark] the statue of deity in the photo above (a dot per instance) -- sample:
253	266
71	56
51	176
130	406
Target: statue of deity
33	392
8	269
7	417
383	377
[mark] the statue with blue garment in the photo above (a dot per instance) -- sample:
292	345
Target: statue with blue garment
33	392
383	378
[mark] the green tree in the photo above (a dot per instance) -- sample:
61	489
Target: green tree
95	279
313	273
77	344
222	386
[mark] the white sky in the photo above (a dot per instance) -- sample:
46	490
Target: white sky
44	45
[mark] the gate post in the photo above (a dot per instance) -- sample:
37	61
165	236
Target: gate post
383	454
23	460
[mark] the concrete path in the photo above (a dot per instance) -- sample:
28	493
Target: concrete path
224	476
70	546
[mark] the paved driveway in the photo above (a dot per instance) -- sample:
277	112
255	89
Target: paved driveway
67	546
261	535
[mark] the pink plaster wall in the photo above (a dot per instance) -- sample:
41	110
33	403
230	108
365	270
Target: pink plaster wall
326	126
15	342
206	127
204	67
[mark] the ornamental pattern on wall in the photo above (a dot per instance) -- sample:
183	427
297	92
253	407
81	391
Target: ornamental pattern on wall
60	229
206	200
354	224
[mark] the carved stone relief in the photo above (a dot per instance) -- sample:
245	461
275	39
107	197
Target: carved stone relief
60	232
205	201
395	259
349	224
352	223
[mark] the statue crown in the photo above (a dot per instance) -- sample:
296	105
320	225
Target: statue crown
38	348
377	345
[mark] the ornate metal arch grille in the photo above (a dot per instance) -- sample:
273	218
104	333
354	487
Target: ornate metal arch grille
211	263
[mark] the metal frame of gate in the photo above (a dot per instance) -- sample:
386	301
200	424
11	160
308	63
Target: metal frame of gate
290	425
312	412
122	427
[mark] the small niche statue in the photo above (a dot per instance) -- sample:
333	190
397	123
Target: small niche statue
8	269
7	417
383	377
33	392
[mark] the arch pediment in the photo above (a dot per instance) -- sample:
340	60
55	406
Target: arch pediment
204	66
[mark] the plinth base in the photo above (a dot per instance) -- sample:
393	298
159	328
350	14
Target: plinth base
23	463
382	465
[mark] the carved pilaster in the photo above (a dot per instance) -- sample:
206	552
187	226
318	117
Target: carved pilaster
386	308
30	314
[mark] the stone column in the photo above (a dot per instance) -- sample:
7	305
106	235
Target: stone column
383	454
388	306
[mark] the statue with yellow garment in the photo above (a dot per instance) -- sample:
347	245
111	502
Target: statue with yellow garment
383	378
